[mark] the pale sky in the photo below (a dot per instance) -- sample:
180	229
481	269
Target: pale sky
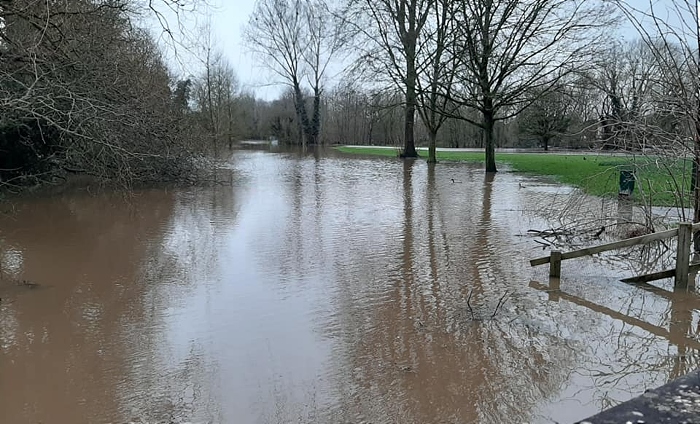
228	17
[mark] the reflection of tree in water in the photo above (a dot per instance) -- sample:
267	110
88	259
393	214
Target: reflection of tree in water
637	338
650	335
322	222
424	359
162	391
178	377
410	350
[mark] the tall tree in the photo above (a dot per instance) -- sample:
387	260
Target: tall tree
436	71
510	49
548	117
390	32
294	39
626	74
214	93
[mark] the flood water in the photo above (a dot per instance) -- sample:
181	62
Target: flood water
324	290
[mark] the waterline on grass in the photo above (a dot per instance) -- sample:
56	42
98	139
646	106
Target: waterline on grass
659	181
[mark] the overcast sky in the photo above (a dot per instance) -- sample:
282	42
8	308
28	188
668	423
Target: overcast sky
228	17
228	20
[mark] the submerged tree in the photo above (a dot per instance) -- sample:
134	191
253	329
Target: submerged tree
511	52
389	33
436	72
294	39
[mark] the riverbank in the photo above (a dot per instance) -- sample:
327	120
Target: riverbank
658	180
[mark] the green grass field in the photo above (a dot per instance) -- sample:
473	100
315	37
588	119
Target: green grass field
659	179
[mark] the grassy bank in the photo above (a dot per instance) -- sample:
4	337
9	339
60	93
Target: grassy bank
657	178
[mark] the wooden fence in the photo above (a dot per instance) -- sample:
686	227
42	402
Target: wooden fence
680	272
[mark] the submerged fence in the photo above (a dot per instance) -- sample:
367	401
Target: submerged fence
684	232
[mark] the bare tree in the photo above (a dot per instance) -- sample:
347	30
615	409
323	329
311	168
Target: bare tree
390	33
215	91
671	30
84	89
510	49
358	115
349	117
548	117
625	75
247	115
436	71
294	39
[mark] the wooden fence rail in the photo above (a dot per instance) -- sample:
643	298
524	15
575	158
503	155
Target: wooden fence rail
684	232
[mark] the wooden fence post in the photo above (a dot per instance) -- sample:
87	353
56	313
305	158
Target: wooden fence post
685	235
555	264
554	289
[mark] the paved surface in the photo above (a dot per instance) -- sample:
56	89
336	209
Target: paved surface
677	402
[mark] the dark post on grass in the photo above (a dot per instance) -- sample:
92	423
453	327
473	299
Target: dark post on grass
685	235
555	264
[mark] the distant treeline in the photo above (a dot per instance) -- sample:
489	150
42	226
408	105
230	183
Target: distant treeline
85	89
481	74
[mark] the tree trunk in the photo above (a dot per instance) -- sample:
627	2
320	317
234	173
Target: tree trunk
315	126
432	156
696	179
545	143
696	152
229	119
303	117
210	104
409	150
489	142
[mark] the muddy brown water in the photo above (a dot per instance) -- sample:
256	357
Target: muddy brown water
323	290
